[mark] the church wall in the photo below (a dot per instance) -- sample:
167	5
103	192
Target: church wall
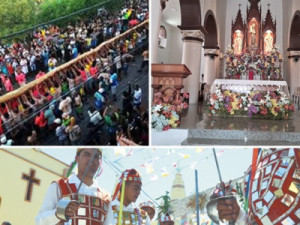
13	188
171	54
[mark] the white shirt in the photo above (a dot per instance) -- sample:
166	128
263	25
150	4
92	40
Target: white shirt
46	215
110	216
24	66
95	117
65	105
137	96
117	61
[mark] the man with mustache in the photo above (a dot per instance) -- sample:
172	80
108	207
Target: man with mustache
88	207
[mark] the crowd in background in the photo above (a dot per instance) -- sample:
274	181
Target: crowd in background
85	89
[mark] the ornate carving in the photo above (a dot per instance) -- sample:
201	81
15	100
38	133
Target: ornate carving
254	11
238	24
168	78
192	36
268	24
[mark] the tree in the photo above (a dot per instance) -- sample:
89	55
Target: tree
16	15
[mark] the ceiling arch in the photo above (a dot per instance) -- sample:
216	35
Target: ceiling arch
294	42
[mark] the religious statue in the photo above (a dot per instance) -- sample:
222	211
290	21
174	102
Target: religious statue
238	44
252	34
268	43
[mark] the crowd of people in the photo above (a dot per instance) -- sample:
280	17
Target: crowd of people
82	92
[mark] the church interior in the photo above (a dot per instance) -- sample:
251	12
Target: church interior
245	46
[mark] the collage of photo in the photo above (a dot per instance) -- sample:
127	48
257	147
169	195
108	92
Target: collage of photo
150	112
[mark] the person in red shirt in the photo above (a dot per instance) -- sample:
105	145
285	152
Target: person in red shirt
41	123
40	74
8	85
10	69
20	77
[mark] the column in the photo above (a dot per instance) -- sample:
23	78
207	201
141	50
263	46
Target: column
210	68
191	57
294	57
157	6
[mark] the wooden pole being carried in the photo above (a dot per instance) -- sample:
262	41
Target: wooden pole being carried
18	92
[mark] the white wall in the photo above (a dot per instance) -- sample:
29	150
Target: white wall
172	54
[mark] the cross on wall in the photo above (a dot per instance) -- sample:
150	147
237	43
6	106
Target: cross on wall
31	180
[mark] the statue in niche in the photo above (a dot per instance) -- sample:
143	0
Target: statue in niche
252	35
268	42
238	43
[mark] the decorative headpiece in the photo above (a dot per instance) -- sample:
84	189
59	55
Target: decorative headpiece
148	204
131	175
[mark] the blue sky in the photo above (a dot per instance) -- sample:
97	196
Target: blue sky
233	163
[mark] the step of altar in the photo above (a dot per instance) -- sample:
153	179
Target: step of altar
241	137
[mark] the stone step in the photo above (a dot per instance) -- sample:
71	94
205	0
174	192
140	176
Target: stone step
240	137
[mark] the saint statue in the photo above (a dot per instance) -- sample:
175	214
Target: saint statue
238	44
252	34
268	43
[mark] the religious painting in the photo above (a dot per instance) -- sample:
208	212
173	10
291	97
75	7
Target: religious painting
253	33
238	42
268	41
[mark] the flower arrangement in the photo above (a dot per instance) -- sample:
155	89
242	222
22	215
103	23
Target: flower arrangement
265	105
166	110
266	66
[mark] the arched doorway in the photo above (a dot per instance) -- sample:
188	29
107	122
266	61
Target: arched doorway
210	51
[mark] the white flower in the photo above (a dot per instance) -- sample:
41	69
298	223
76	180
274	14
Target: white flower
157	108
262	102
246	109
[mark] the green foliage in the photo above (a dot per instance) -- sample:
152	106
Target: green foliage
22	14
165	208
16	15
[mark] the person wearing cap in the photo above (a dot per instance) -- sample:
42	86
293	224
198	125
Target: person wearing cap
60	132
131	214
149	208
88	207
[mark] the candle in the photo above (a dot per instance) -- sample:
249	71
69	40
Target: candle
280	56
228	59
266	64
272	60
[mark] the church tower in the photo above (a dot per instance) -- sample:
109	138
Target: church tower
178	189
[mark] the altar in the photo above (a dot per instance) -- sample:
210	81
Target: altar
246	86
252	54
261	99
